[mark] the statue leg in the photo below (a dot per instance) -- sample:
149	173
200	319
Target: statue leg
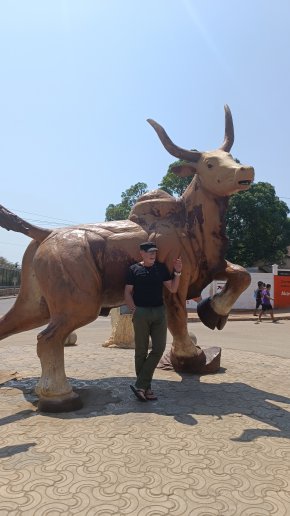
69	310
54	391
71	286
214	312
22	317
67	314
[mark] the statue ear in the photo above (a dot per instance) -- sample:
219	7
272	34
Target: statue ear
188	169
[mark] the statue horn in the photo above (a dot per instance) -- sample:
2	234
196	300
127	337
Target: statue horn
229	131
173	149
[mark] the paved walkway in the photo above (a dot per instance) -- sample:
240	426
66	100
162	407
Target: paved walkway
211	445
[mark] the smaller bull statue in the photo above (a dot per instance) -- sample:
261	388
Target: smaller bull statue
71	275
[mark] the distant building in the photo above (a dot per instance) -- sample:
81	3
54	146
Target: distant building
285	264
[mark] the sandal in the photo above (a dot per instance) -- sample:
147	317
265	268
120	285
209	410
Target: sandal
149	395
139	393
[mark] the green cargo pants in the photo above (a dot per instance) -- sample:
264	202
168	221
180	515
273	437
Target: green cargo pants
148	321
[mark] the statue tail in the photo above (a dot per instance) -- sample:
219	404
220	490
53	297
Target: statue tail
11	222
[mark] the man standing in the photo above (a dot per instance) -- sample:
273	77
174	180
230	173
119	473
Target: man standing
144	296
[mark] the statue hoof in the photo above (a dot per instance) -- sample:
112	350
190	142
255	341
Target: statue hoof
209	317
69	404
207	361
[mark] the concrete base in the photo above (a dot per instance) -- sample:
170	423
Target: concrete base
69	404
207	361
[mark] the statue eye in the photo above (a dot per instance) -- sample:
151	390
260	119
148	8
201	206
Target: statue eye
237	160
209	165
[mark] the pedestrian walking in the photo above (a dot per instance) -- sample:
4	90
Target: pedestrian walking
258	296
266	303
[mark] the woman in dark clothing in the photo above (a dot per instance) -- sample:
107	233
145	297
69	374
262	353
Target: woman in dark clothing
258	295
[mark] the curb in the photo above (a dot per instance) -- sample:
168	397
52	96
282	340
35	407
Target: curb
279	317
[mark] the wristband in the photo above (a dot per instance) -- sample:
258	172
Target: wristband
177	273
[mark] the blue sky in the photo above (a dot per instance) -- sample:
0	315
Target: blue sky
80	78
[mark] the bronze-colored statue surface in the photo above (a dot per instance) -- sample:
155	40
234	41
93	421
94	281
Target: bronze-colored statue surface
71	275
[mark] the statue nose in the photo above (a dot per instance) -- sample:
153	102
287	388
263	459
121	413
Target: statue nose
247	169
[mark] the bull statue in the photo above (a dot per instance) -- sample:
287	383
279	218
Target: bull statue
72	275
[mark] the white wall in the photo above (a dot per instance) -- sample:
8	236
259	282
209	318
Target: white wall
246	301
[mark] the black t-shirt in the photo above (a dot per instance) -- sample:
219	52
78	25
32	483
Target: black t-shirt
148	283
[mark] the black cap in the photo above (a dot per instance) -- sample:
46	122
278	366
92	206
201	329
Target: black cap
148	246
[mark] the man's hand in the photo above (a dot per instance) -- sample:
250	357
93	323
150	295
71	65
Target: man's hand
177	264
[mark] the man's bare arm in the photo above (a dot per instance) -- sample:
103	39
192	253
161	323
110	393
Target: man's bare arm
128	296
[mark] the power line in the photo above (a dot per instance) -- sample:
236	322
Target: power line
45	216
44	222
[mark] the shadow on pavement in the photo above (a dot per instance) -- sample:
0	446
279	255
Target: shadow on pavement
8	451
181	400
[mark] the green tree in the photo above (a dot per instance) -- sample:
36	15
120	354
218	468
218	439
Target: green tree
117	212
129	197
257	226
8	265
173	184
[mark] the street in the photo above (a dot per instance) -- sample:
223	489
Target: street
265	338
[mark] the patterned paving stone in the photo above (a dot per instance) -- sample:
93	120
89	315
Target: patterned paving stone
211	445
